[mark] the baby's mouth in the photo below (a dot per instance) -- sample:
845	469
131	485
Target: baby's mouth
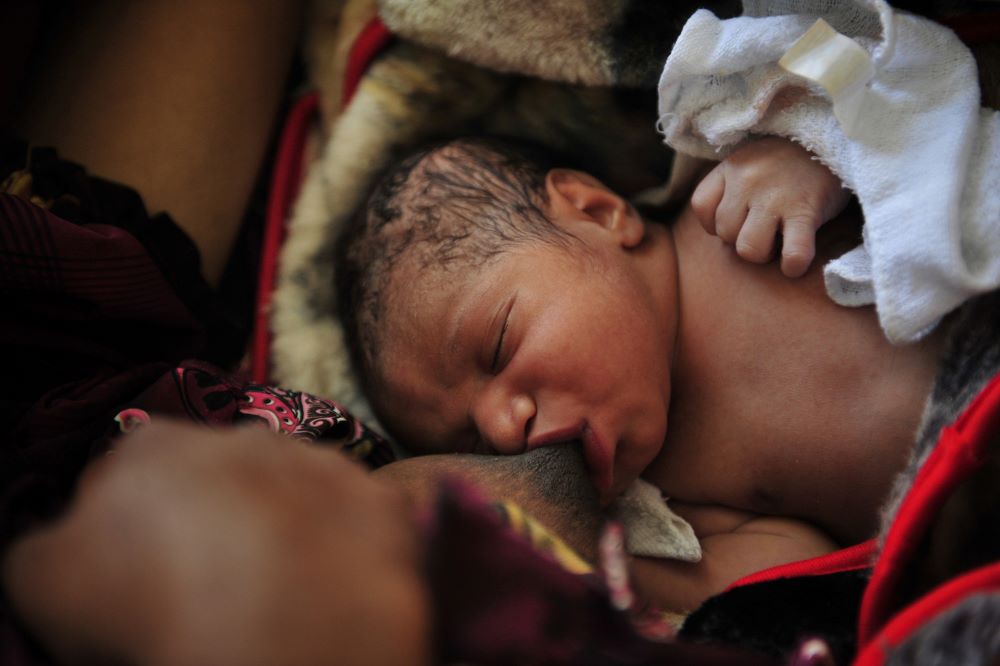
600	462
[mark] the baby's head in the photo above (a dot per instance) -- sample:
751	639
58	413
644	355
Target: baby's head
493	303
447	209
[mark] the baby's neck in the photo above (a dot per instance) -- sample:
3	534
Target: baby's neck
658	261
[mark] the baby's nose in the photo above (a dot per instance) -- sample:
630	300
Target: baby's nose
507	425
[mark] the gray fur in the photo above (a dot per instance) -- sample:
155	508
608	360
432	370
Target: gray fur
968	634
971	359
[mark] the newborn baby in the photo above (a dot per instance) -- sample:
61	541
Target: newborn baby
498	303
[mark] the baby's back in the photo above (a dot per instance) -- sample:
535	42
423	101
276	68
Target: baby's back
783	402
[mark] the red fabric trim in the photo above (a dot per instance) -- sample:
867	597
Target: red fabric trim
285	182
959	451
983	580
852	558
373	38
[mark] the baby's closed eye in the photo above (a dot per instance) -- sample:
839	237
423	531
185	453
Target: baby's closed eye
498	351
500	354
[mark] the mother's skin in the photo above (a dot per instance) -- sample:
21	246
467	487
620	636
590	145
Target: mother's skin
551	484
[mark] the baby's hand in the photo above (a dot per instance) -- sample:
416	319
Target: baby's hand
769	186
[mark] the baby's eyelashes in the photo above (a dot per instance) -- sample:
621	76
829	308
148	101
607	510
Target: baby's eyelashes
498	330
495	365
499	359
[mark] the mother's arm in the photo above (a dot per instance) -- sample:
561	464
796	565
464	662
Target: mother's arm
194	546
175	98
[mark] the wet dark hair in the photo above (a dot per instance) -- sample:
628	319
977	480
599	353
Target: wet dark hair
449	206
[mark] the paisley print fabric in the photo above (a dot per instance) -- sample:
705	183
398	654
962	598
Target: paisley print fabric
204	394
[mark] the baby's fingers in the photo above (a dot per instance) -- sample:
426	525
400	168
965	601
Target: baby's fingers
707	196
798	245
756	239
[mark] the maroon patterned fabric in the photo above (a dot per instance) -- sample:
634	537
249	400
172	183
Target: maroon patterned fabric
99	300
88	322
101	305
203	394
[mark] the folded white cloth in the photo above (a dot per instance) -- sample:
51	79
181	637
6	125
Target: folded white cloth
652	529
923	158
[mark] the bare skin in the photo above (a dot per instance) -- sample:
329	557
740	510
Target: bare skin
759	489
820	410
197	546
743	203
173	98
817	401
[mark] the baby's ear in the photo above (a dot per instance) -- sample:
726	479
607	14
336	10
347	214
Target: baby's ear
576	197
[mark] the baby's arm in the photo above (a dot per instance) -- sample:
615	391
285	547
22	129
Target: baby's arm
734	544
768	186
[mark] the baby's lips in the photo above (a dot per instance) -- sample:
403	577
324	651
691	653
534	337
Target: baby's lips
600	463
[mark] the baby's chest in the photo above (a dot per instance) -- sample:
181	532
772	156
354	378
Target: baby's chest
790	405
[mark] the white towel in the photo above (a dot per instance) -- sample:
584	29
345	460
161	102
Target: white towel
652	529
923	158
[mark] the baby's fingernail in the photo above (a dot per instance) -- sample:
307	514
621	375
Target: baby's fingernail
813	652
794	269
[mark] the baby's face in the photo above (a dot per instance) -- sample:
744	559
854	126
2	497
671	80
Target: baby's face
543	346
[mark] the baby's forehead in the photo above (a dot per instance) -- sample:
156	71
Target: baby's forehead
415	291
427	305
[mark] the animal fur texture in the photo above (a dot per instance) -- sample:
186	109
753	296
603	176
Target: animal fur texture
968	634
971	360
